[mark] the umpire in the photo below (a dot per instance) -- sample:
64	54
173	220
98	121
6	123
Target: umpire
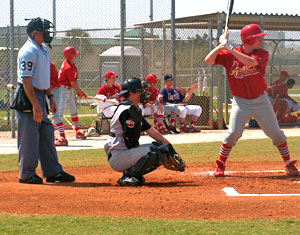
35	131
122	147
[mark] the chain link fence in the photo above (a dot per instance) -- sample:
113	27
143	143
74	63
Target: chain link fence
93	28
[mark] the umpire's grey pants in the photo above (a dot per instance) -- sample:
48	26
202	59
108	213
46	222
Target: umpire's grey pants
261	109
36	143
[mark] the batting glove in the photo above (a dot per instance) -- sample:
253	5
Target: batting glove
226	44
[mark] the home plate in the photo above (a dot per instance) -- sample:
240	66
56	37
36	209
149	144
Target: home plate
231	192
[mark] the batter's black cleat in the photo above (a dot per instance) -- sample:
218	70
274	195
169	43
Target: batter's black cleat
61	177
130	181
35	179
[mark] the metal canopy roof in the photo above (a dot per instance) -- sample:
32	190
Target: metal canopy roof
238	20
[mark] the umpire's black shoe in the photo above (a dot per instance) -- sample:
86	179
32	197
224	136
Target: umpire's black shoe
35	179
129	181
61	177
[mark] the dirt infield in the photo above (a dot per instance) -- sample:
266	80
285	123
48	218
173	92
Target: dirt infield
167	194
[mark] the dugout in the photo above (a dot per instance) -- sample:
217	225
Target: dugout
283	31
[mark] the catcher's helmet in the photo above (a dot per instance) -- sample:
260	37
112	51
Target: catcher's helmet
250	32
151	78
131	84
70	52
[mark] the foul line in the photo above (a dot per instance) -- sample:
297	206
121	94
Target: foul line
237	172
231	192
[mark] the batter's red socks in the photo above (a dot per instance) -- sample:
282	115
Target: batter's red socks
75	121
285	153
224	152
61	129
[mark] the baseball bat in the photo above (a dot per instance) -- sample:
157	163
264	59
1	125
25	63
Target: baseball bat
70	123
228	14
103	100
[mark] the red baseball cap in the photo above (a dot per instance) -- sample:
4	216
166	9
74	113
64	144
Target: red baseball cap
110	74
284	73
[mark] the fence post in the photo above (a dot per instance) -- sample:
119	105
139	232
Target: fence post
211	92
173	42
122	58
12	64
142	61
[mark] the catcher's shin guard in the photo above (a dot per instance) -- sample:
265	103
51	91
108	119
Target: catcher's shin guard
148	163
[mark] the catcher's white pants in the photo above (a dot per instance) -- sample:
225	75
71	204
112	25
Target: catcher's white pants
189	110
261	109
124	159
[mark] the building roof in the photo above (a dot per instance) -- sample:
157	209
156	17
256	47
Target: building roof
136	33
116	51
282	22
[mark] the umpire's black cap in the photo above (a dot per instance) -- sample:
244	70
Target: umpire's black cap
38	24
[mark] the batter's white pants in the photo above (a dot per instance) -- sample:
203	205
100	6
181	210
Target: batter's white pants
122	160
189	110
261	109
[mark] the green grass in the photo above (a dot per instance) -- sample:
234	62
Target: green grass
69	224
191	153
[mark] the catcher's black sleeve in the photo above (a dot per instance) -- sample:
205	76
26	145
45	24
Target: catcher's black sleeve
131	129
145	125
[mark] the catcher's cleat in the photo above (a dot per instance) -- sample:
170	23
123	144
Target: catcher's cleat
61	142
61	177
130	181
80	136
220	169
291	169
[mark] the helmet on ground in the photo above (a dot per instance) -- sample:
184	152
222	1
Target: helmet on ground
131	84
250	32
70	53
151	78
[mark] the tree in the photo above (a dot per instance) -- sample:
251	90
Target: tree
79	39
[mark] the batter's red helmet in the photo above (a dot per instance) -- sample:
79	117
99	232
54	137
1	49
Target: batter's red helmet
250	32
151	78
70	52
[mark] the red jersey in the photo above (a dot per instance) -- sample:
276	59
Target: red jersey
154	93
54	83
245	82
109	91
67	74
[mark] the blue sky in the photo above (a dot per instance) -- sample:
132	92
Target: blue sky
105	13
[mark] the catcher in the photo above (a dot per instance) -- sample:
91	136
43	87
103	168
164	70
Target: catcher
122	147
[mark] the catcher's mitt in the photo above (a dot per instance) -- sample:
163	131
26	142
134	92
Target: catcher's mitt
173	161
